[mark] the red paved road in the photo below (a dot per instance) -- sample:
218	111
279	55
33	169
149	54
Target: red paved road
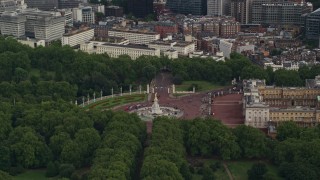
228	109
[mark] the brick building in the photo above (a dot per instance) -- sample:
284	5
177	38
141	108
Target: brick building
164	28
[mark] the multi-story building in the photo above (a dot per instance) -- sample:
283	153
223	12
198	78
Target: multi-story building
114	11
285	13
256	112
45	25
194	7
76	37
313	25
140	8
45	5
269	105
182	47
225	46
135	37
67	14
32	42
240	10
11	23
116	50
229	28
218	7
83	15
165	28
66	4
7	5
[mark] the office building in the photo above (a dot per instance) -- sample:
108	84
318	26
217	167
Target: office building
114	11
67	14
65	4
11	23
140	8
240	10
7	5
45	25
76	37
45	5
182	47
116	50
313	25
83	15
135	37
218	7
33	43
281	13
194	7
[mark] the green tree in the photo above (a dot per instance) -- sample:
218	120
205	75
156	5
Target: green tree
5	176
298	171
52	170
257	171
65	170
288	130
28	149
251	141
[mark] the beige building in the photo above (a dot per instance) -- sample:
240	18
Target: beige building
115	50
182	47
135	37
32	42
266	106
77	37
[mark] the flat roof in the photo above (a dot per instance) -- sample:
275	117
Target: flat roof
136	46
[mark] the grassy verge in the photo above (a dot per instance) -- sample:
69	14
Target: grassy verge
239	169
199	85
117	101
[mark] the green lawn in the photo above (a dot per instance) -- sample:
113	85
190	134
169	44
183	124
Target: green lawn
117	101
33	175
202	86
239	169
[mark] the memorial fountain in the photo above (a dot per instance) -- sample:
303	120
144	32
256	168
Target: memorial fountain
151	112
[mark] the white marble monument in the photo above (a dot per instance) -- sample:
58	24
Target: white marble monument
155	109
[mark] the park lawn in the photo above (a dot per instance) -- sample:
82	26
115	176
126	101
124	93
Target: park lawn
117	101
33	175
239	169
203	85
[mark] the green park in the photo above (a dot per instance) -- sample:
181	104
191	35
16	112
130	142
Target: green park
44	135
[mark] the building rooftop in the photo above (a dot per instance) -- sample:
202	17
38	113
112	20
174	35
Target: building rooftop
77	31
135	46
138	31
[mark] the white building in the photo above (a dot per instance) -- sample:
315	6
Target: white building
287	65
225	46
46	25
256	112
246	47
83	14
32	42
77	37
135	37
171	53
182	47
67	14
115	50
11	23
